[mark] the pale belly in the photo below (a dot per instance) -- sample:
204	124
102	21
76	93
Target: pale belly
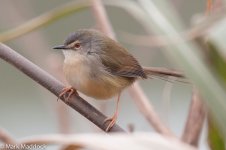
99	87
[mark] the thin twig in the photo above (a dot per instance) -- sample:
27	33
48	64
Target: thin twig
135	90
195	120
147	110
5	137
102	19
43	19
166	101
162	40
64	119
54	86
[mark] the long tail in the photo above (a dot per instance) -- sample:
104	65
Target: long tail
164	74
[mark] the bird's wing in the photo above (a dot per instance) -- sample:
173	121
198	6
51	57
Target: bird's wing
122	64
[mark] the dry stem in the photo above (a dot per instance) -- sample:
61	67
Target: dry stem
195	121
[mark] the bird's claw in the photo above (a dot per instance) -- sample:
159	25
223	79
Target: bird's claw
66	93
112	122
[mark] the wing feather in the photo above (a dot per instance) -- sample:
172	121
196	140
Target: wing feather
122	64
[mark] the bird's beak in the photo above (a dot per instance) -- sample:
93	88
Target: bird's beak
60	47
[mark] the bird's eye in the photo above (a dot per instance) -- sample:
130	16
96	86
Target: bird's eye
77	45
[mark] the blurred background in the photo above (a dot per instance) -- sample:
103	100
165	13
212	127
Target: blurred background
28	109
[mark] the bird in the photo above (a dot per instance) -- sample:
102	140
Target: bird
98	67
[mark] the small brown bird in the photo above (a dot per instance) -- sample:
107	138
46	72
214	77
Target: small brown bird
98	66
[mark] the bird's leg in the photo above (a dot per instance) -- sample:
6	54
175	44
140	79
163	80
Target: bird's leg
66	93
114	117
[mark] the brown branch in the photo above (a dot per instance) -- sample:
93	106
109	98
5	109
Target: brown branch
136	92
195	121
54	86
6	138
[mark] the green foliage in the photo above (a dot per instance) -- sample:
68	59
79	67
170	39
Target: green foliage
217	62
215	137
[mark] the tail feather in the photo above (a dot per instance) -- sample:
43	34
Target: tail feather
165	74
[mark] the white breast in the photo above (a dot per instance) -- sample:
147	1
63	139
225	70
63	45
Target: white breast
75	68
82	73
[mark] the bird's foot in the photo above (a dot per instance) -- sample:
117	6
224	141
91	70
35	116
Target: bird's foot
112	121
66	93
